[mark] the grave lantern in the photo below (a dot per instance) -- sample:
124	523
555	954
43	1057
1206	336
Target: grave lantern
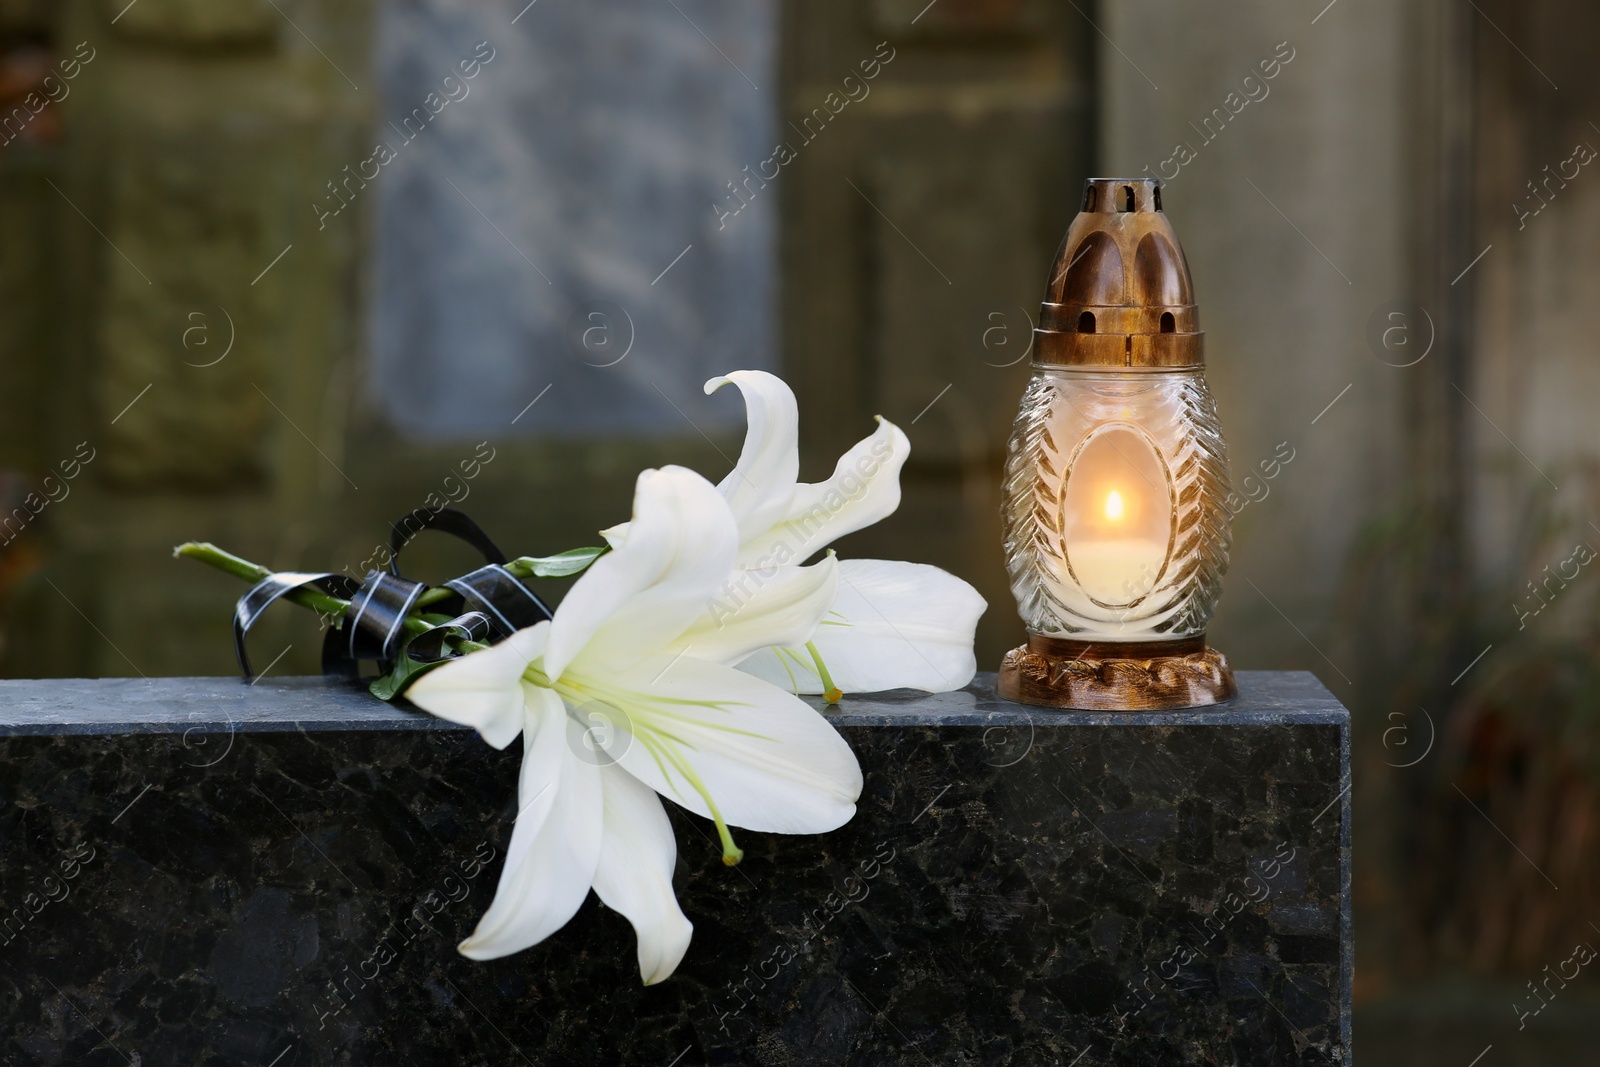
1116	532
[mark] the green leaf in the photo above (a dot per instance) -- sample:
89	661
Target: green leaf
405	671
560	565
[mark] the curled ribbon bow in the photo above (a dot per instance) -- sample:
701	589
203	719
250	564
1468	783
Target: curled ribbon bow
381	618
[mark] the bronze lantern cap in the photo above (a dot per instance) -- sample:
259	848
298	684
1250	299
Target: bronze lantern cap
1120	293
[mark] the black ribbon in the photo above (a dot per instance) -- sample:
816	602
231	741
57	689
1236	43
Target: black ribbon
496	593
429	646
489	603
261	595
446	520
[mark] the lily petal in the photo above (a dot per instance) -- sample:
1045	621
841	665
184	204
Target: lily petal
894	625
679	548
638	853
766	759
755	609
484	689
864	488
761	484
555	847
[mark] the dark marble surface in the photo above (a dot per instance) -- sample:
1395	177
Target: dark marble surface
1019	887
197	705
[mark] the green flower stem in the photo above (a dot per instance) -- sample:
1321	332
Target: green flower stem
433	596
306	596
417	622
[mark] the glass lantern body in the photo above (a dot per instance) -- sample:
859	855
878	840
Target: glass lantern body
1115	527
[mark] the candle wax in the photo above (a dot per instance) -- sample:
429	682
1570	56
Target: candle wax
1116	572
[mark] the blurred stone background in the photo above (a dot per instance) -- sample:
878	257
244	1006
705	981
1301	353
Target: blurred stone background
1391	239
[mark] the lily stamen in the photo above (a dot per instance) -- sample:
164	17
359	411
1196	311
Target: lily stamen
731	853
830	692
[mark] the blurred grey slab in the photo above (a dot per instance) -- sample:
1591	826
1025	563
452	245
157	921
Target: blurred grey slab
575	200
30	707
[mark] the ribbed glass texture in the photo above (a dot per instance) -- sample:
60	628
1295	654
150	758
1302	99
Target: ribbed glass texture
1114	518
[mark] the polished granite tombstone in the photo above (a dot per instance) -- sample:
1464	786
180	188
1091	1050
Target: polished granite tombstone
197	871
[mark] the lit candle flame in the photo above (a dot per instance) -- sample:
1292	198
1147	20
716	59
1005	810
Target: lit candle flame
1114	505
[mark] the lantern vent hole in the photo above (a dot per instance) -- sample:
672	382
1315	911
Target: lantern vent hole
1086	322
1127	198
1158	197
1168	323
1088	199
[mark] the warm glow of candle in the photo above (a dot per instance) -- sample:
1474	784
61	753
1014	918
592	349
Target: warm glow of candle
1116	516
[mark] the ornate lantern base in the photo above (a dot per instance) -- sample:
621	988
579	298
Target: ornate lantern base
1116	676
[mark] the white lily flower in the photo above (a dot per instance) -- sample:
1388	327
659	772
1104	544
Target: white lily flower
628	693
783	520
893	625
